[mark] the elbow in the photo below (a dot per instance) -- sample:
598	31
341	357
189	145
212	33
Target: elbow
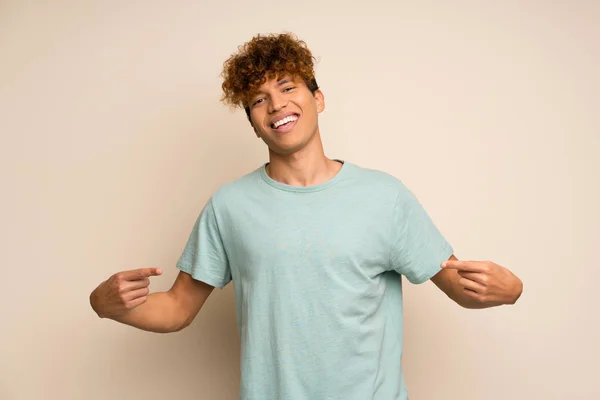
182	325
169	329
518	292
179	328
469	302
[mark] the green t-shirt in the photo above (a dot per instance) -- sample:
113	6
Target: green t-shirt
316	277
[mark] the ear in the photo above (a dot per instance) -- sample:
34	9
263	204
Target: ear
320	99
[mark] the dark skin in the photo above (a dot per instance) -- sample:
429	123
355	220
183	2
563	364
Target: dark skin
296	158
478	284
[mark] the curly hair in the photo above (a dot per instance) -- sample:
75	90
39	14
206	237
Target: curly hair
265	57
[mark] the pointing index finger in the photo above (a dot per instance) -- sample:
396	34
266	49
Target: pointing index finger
142	273
468	266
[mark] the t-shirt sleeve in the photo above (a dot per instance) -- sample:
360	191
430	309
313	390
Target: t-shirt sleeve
418	247
204	256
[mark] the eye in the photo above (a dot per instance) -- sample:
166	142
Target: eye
258	101
287	89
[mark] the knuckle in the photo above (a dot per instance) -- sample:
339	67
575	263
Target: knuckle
119	284
116	286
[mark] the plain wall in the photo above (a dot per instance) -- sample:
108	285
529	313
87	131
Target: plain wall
113	138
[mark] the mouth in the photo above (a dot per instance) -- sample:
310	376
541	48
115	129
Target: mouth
286	124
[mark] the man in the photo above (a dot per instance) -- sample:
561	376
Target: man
314	248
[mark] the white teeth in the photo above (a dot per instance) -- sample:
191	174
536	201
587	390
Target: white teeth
285	121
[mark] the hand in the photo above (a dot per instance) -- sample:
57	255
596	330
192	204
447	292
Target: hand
122	292
486	282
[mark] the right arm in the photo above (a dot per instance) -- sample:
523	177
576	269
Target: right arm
124	298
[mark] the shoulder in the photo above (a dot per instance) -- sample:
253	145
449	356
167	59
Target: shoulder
375	179
236	190
388	190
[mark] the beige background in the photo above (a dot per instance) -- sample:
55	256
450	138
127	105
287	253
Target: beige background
112	139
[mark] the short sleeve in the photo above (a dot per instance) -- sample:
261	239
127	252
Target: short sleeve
204	256
417	247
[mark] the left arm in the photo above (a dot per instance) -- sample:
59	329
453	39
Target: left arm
478	284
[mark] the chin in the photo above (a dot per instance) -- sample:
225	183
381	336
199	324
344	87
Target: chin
291	143
285	151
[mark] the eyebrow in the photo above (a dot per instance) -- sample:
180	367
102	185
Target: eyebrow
280	83
283	81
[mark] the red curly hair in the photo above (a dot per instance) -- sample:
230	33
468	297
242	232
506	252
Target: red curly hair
265	57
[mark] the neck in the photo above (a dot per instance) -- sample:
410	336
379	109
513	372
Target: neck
306	167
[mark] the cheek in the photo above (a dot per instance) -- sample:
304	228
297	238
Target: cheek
257	120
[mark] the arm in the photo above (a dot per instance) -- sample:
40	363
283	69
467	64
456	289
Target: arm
124	298
478	284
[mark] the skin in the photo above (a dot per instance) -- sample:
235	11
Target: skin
295	158
125	298
478	284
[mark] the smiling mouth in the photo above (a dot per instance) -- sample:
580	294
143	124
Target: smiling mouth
282	123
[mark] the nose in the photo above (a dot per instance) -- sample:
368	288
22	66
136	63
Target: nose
278	101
